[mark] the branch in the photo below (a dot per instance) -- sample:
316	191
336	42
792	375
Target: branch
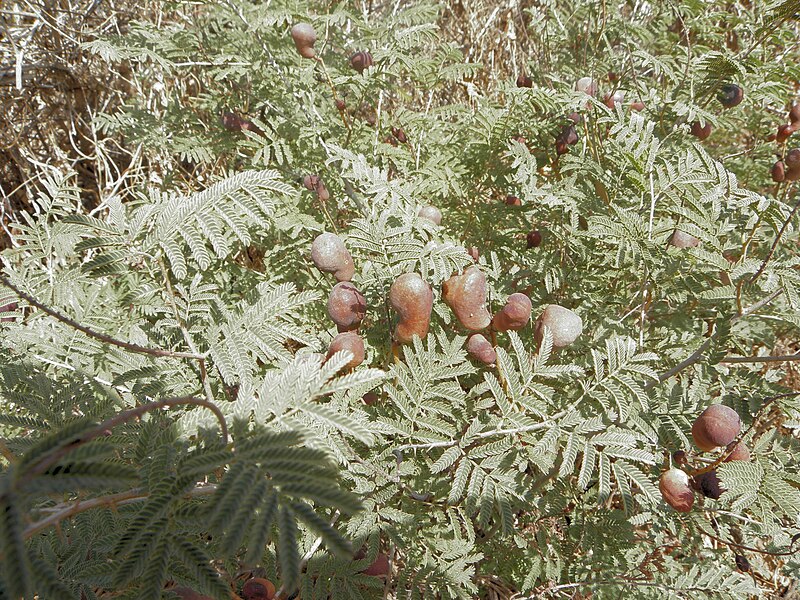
90	332
761	359
775	243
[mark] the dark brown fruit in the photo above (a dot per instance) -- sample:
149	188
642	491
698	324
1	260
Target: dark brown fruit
564	325
740	452
679	457
778	172
316	185
784	132
512	200
675	489
431	213
231	121
258	588
701	132
330	255
567	137
398	133
479	348
304	38
523	81
794	113
575	118
346	306
465	294
709	484
379	568
681	239
370	398
718	425
348	341
514	315
412	298
730	95
360	61
793	173
742	563
792	158
534	239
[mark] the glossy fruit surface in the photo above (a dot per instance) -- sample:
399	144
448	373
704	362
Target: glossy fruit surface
533	239
730	95
329	254
479	348
564	325
717	425
675	489
349	341
465	294
784	132
346	306
412	298
778	171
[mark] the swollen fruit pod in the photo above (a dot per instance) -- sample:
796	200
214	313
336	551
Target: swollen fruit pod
778	172
431	213
730	95
533	239
360	61
718	425
514	315
479	348
675	489
258	588
587	85
523	81
304	38
412	298
379	567
565	326
701	132
330	255
348	341
709	484
739	452
465	294
346	306
681	239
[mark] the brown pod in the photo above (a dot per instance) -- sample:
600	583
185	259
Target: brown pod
701	132
351	341
718	425
231	121
778	172
523	81
258	588
794	113
709	485
399	134
465	294
739	452
370	398
793	173
431	213
533	239
675	489
412	298
304	38
564	325
785	131
514	315
637	105
587	85
742	563
730	95
512	200
575	118
611	100
379	567
479	348
330	255
568	136
361	61
681	239
679	457
340	105
474	253
346	306
792	158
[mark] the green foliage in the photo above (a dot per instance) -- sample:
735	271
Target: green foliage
168	417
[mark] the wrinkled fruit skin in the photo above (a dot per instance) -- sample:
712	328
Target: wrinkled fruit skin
346	306
740	452
361	61
431	213
523	81
466	295
730	95
709	484
352	342
681	239
778	172
479	348
676	491
534	239
330	255
564	325
514	315
304	38
718	425
185	593
412	298
701	132
258	589
379	567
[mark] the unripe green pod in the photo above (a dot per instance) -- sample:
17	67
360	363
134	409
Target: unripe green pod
675	489
514	315
346	306
412	298
466	295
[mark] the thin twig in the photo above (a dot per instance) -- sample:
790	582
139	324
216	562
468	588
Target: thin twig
775	243
92	333
761	359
